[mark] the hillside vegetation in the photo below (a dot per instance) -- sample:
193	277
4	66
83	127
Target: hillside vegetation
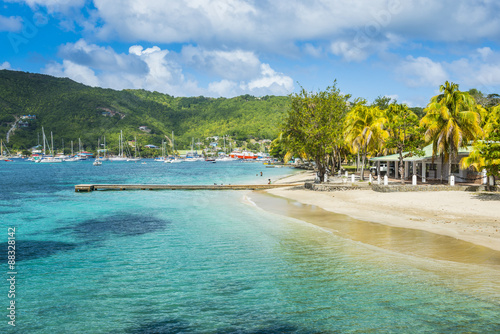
71	111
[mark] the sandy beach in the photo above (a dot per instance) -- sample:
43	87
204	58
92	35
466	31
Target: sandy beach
467	216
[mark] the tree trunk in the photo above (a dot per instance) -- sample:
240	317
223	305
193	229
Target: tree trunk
363	166
449	167
442	167
401	167
321	170
357	162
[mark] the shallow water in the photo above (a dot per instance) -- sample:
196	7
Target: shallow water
208	262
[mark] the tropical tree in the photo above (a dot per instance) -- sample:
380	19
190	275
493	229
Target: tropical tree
486	153
405	136
364	131
451	121
314	125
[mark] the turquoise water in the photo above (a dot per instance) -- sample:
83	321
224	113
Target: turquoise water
211	262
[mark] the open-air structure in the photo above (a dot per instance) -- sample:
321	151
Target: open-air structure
428	167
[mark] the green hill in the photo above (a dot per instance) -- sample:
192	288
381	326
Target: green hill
71	111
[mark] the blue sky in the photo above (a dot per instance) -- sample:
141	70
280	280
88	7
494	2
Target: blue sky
402	49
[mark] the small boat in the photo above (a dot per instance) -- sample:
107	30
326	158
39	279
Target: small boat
173	161
97	161
245	155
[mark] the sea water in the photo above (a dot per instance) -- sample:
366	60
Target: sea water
210	261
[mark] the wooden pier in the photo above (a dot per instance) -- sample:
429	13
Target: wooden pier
92	187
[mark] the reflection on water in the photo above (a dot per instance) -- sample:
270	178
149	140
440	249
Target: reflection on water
401	240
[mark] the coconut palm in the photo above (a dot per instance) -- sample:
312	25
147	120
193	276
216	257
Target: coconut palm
452	120
404	134
486	153
364	131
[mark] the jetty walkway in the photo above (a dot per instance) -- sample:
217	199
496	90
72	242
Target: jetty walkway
93	187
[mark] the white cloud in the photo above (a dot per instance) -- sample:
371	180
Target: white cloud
5	66
68	69
278	83
349	51
315	51
421	71
480	70
229	73
11	23
351	29
232	65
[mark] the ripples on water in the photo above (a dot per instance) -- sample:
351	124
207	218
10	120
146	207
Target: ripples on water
205	262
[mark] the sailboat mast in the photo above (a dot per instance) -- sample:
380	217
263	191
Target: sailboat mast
121	144
52	144
43	139
71	148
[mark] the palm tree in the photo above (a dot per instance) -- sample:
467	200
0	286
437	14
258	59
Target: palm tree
364	131
451	121
404	133
486	154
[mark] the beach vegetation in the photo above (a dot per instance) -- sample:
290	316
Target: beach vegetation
364	131
405	136
485	154
314	125
452	120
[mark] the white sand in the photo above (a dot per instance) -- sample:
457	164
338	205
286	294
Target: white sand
472	217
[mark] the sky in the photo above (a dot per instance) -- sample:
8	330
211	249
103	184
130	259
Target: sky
403	49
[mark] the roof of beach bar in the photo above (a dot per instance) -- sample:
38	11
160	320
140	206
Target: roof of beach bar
427	155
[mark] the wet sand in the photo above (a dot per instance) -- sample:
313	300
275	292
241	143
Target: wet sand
467	222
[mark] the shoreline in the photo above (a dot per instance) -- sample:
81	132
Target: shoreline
470	217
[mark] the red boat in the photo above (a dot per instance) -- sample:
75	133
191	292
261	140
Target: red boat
245	155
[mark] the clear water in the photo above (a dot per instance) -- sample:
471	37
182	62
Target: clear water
210	262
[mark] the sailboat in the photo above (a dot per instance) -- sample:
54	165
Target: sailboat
97	162
175	159
194	156
135	158
73	157
2	157
50	158
163	152
120	156
104	157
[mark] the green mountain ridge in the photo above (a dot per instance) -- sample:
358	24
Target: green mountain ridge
71	110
